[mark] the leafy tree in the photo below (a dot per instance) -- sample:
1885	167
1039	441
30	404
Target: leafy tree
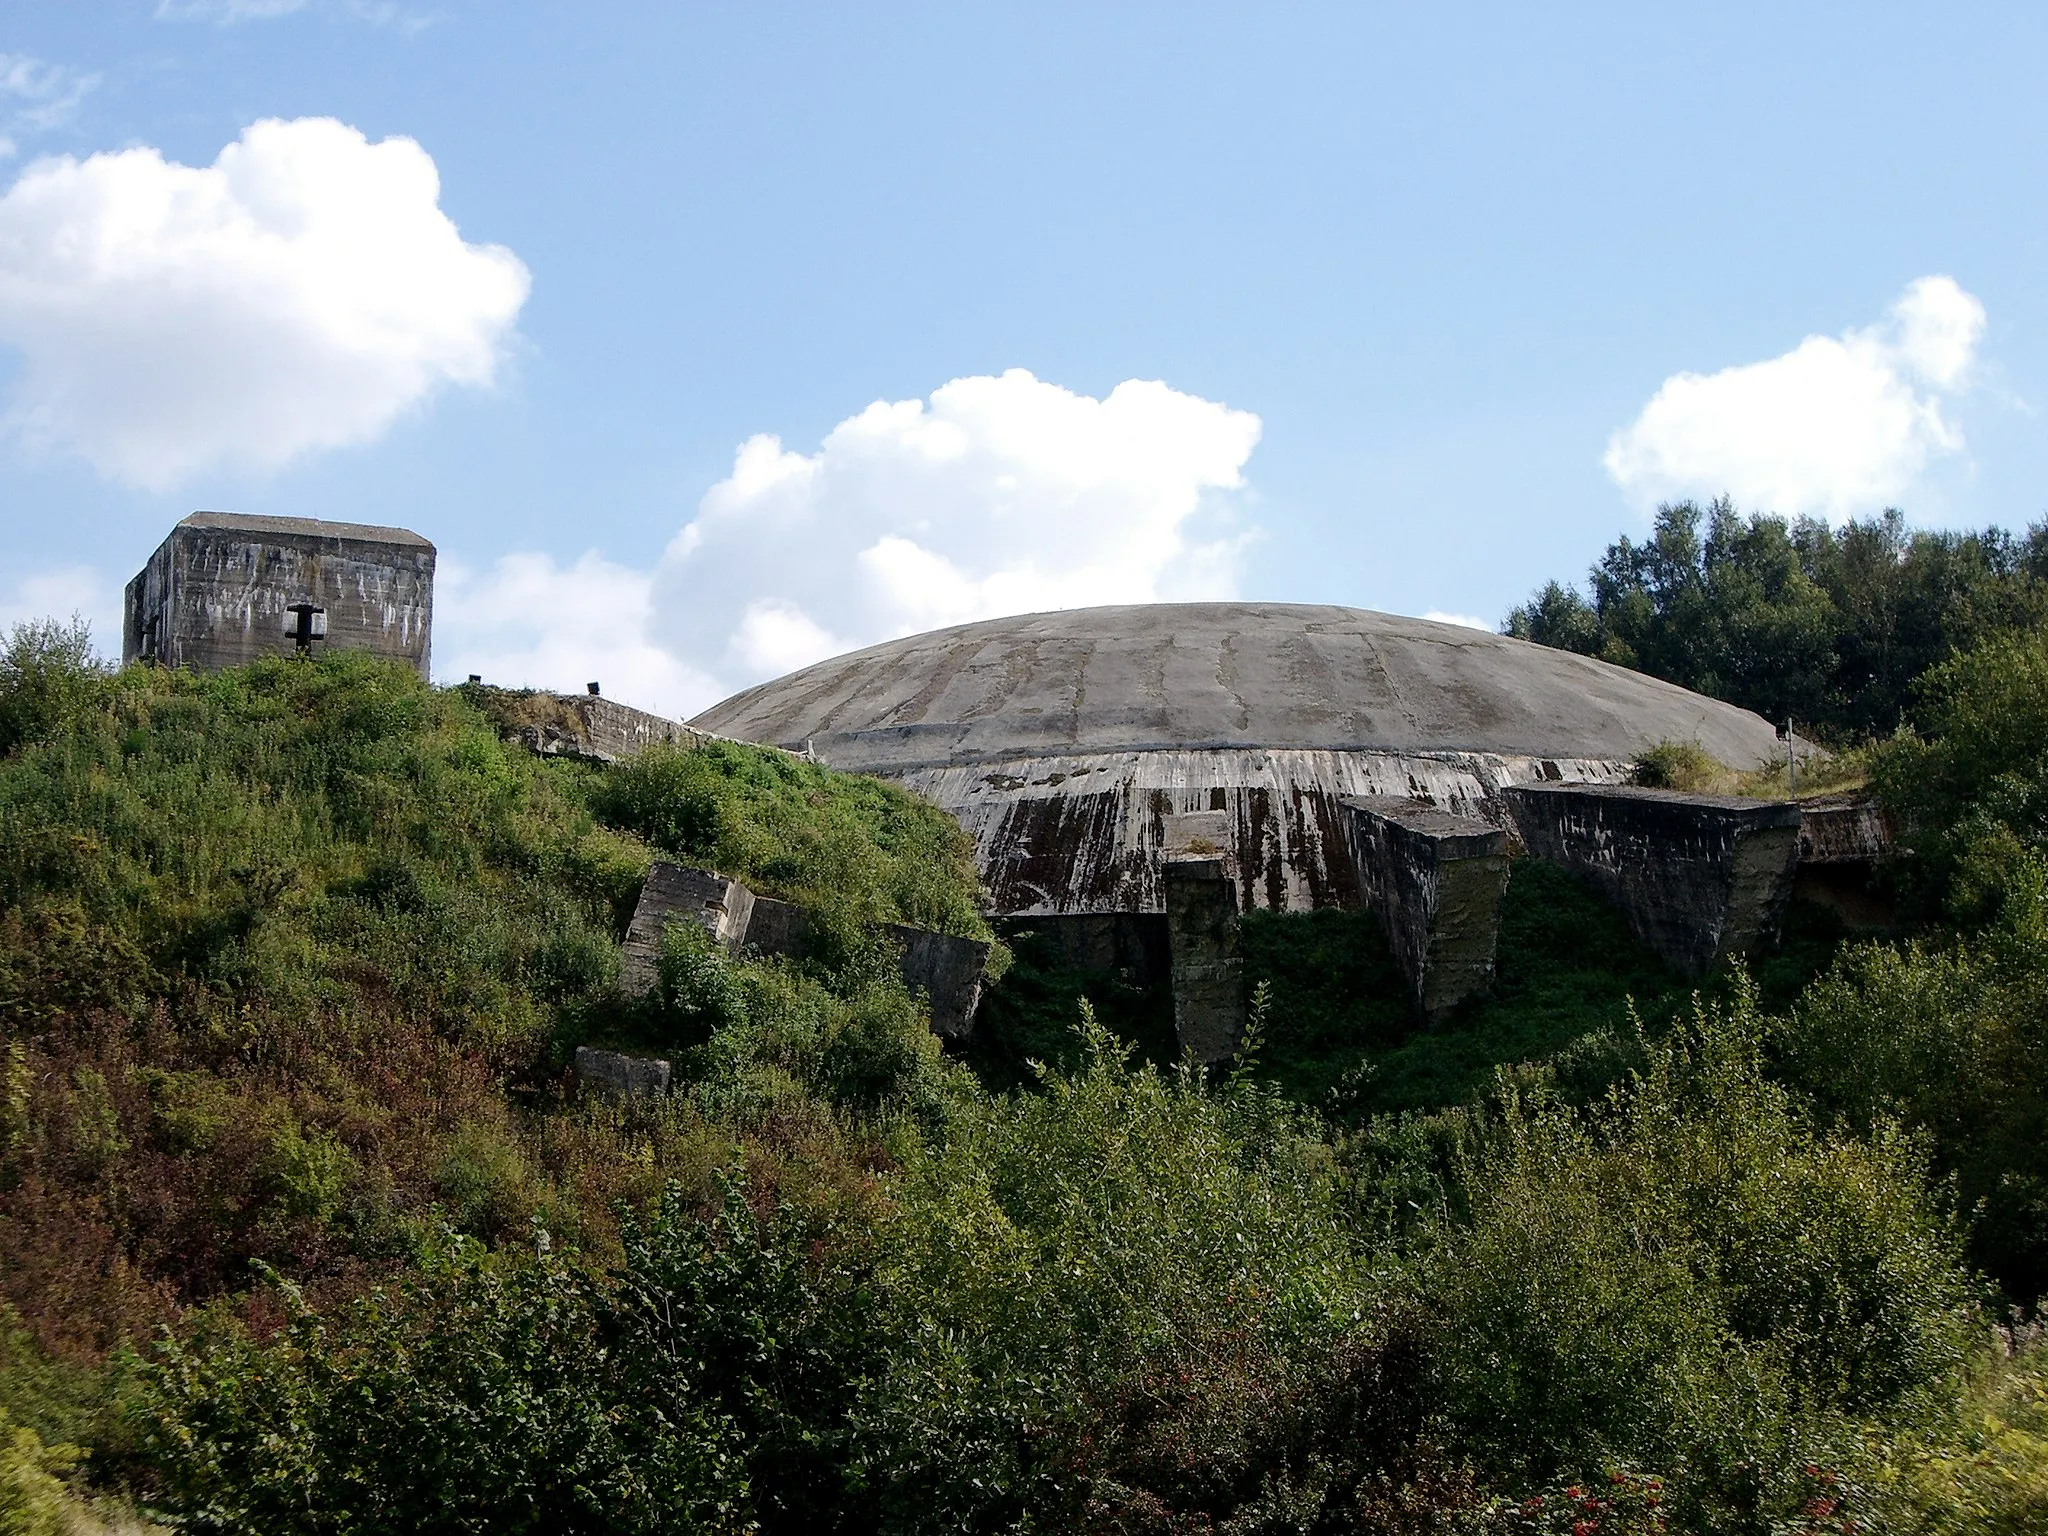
1793	618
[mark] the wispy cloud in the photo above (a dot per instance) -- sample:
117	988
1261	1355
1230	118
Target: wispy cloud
36	97
226	13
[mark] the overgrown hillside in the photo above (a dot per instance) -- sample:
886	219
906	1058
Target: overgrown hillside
293	957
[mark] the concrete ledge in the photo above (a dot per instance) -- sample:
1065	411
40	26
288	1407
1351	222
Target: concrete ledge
1208	964
674	894
622	1077
1843	832
1701	878
1436	881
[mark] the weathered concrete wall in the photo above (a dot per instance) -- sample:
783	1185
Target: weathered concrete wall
673	894
1436	881
1843	830
589	726
947	971
1090	834
1701	878
218	592
623	1077
1208	962
779	928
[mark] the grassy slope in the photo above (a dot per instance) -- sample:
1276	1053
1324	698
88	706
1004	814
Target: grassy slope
290	958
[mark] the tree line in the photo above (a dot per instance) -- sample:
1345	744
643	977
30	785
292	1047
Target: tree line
1794	618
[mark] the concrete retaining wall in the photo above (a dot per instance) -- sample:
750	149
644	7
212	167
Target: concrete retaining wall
1701	878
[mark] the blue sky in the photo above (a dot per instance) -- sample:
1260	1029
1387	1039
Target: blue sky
1422	287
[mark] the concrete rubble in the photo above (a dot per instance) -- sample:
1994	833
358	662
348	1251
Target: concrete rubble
946	970
674	893
622	1077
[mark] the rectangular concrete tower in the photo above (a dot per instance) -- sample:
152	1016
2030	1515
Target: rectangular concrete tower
226	588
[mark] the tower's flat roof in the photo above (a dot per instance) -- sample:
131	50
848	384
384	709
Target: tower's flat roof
1167	676
303	527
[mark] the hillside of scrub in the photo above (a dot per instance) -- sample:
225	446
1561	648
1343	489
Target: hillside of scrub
291	960
304	1229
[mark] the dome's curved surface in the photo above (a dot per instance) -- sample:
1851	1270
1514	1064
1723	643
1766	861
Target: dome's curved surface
1180	676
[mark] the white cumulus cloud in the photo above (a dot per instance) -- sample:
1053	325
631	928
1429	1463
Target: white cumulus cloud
299	293
1001	494
1462	620
527	621
1835	427
997	495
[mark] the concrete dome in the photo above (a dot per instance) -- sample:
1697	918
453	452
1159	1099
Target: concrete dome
1201	676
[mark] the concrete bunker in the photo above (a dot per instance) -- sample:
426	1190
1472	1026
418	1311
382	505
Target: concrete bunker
226	588
1118	767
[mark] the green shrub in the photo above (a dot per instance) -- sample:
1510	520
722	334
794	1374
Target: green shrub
475	1397
33	1498
48	677
1691	1277
1681	765
1952	1038
1969	792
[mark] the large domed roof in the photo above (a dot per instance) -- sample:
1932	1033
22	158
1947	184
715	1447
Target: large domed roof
1166	676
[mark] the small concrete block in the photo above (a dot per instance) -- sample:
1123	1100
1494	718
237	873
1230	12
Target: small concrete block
779	928
675	894
624	1077
1208	966
1701	878
1436	881
947	971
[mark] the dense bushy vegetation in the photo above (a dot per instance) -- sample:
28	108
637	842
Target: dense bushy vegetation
1829	626
302	1228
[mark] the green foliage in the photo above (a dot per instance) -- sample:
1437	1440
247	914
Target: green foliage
33	1498
1991	1479
1682	765
1830	626
1952	1038
1970	792
1567	974
49	677
476	1397
853	851
1028	1013
1691	1276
